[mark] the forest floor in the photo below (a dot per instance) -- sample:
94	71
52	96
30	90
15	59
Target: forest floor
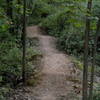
59	78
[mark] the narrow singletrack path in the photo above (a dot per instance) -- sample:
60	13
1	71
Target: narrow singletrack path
56	69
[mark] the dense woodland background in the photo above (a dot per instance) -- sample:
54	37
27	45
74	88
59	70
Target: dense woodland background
64	19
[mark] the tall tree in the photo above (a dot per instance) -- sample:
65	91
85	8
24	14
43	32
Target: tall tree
24	42
85	70
93	62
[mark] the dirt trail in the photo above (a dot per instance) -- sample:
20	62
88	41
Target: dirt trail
57	70
54	84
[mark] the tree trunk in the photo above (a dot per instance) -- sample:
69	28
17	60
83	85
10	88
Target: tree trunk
24	43
85	70
93	62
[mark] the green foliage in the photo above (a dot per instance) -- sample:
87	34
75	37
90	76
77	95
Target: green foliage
10	61
72	43
97	93
63	19
11	47
9	51
3	92
4	25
